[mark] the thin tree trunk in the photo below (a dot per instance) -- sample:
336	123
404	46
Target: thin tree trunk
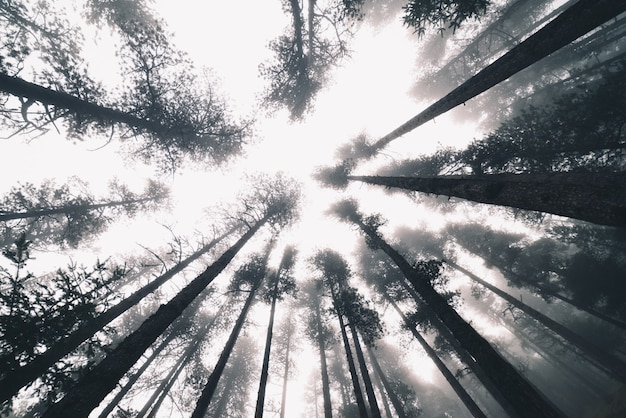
37	213
209	389
516	389
447	374
395	401
95	385
351	366
328	411
172	376
609	363
16	379
594	197
266	356
573	23
283	400
369	388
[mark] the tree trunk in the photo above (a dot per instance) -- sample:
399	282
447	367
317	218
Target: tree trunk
37	213
397	404
516	389
328	411
351	366
283	399
609	363
100	114
209	389
16	379
367	381
95	385
594	197
266	356
573	23
456	386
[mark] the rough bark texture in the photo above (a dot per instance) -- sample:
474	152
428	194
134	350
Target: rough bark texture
608	362
594	197
456	386
95	385
573	23
16	379
522	395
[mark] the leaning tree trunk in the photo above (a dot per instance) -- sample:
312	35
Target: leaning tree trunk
209	389
95	385
14	380
516	389
607	362
395	401
594	197
351	366
367	381
456	386
573	23
328	411
37	213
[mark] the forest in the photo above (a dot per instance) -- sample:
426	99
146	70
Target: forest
313	208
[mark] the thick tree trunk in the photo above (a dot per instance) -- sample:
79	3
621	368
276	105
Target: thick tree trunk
594	197
395	401
95	385
516	389
37	213
573	23
13	380
351	366
209	389
367	381
609	363
283	399
328	411
447	374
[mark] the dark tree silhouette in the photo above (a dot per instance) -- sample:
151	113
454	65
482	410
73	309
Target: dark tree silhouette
595	197
517	390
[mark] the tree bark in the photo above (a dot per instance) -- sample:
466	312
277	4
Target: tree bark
573	23
351	366
95	385
609	363
367	381
209	389
447	374
13	380
517	390
594	197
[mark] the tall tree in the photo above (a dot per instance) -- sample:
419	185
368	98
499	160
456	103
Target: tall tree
280	284
335	273
573	23
249	275
68	214
595	197
518	391
16	377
